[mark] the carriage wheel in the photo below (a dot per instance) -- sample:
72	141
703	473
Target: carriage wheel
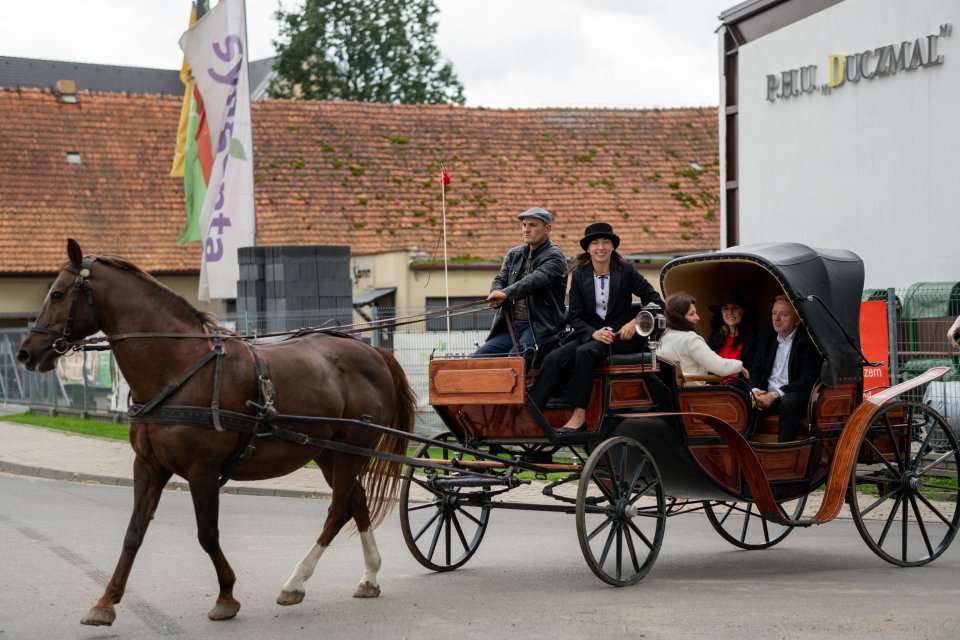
741	524
443	533
903	490
621	511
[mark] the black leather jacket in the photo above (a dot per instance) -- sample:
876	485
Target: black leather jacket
544	289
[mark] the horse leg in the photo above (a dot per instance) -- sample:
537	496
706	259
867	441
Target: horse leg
341	475
148	483
368	587
205	491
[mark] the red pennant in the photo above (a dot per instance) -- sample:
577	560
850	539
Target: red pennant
445	179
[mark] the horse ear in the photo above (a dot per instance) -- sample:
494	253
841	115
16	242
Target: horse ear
74	252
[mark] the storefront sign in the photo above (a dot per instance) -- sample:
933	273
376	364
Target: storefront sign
875	344
866	65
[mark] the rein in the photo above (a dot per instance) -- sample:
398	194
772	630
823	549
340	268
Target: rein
98	343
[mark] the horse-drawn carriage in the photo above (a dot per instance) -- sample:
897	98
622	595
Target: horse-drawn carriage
211	405
655	448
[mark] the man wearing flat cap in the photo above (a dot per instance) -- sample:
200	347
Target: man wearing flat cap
533	282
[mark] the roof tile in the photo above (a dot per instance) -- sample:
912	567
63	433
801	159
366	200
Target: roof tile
365	175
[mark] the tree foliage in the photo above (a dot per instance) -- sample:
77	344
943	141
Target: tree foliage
366	50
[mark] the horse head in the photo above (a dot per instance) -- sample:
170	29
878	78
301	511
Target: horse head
68	314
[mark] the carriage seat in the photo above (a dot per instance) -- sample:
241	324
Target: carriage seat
629	358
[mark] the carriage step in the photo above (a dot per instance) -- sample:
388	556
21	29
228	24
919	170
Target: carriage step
489	464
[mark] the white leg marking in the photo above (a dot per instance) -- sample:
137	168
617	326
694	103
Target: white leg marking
371	558
304	569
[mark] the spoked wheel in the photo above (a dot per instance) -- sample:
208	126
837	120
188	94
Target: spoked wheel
443	533
741	524
904	486
621	511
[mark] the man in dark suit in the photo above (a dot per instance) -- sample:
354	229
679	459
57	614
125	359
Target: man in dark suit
601	293
787	366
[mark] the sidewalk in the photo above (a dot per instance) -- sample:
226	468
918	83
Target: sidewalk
59	455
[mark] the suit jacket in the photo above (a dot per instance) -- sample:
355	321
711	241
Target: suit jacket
625	282
803	367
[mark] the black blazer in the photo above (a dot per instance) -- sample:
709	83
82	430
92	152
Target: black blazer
625	282
803	368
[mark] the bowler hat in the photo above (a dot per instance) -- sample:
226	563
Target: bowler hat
596	231
538	213
730	296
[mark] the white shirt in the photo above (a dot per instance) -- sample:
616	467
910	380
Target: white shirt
780	374
601	290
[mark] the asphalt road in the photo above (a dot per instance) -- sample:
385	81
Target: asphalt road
59	542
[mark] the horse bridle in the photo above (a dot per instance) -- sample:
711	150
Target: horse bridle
81	285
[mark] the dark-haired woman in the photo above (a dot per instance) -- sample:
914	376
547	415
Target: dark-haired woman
682	343
732	335
601	294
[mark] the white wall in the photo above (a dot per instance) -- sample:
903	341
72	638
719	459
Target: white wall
874	166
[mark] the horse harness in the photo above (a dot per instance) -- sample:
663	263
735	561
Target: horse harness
81	286
255	427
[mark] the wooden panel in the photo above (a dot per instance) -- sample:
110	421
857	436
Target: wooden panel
786	463
726	404
718	462
477	380
492	421
629	392
834	406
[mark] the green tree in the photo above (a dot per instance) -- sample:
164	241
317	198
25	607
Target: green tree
366	50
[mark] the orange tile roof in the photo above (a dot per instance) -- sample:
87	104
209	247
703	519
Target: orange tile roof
366	175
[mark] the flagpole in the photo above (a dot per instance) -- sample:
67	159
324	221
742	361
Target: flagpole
444	179
253	185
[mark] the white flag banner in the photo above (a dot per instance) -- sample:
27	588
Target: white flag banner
216	49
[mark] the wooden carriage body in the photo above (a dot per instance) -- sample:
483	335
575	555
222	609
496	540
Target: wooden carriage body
482	400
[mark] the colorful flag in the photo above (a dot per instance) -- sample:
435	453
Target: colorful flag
215	48
193	158
176	170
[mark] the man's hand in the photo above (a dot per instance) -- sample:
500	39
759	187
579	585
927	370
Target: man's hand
605	335
496	298
952	333
627	331
765	399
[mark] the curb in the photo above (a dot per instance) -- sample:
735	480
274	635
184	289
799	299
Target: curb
173	485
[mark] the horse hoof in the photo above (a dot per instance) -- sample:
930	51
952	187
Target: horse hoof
224	610
366	590
287	598
99	616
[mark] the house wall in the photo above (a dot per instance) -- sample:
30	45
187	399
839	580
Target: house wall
870	165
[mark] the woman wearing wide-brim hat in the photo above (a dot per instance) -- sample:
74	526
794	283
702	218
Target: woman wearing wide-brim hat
602	287
733	334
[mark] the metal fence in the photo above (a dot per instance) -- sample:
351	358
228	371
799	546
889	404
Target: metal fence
89	382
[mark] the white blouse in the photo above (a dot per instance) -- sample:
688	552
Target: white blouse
695	357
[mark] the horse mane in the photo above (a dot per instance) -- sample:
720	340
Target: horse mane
204	317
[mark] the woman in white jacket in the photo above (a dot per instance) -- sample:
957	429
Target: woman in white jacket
682	343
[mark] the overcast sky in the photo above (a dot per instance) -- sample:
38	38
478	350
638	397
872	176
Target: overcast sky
507	53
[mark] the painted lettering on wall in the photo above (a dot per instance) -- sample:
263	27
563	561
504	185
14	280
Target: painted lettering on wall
843	69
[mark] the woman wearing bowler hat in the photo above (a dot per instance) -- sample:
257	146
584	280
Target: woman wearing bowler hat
602	287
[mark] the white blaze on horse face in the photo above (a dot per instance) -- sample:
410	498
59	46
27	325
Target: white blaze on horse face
304	569
371	558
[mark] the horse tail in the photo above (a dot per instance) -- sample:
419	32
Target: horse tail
381	479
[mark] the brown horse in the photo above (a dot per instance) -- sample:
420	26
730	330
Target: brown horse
157	338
